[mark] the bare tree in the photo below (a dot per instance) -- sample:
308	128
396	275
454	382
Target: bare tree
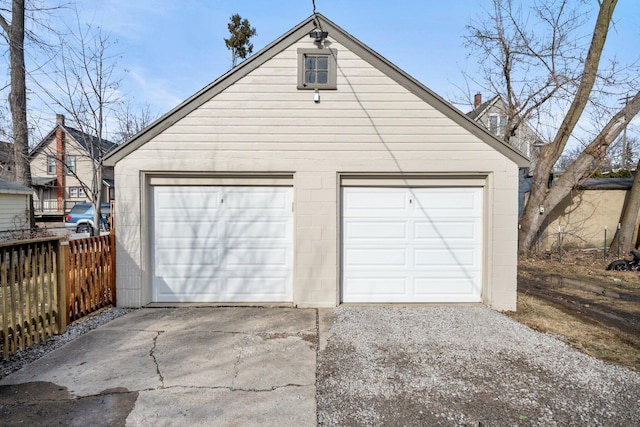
14	33
87	90
544	70
130	121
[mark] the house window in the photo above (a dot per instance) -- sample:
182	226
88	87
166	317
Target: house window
71	165
75	192
497	124
51	165
317	68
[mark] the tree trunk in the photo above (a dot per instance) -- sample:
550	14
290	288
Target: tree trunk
533	216
629	220
539	204
18	94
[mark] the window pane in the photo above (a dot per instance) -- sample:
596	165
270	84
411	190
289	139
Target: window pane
323	63
309	77
323	77
310	63
493	124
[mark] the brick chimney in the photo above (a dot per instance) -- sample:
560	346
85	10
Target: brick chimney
60	162
477	100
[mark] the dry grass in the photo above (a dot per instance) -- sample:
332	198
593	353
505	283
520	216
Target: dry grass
590	337
577	328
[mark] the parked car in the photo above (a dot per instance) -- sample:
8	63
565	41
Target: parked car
80	217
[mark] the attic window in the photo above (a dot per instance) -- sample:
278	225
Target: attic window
497	124
317	68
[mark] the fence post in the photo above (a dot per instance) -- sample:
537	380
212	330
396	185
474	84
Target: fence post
61	252
112	253
604	247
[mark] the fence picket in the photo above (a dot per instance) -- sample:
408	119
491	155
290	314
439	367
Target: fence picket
44	285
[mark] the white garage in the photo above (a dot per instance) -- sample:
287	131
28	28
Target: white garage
312	174
411	244
222	244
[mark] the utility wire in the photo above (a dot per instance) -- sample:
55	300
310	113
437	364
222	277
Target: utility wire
316	20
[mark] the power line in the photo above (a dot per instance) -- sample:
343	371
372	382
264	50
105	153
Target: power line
316	20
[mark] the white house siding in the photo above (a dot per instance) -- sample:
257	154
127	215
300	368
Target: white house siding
370	124
14	211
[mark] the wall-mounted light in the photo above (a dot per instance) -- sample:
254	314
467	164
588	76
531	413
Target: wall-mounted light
316	96
318	35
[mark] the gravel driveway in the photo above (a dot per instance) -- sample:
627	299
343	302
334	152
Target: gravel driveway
463	366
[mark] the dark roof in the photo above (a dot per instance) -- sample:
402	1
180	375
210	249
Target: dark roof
289	38
476	112
607	184
13	187
85	140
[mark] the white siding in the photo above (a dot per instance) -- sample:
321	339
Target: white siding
370	124
14	211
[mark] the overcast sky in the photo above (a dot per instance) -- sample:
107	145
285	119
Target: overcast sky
173	48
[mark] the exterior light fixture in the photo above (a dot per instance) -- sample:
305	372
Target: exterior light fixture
318	35
316	96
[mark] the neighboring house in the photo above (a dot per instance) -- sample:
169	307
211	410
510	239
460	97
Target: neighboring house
316	173
61	164
492	115
14	205
7	165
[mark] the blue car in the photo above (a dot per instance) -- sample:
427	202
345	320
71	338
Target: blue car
80	217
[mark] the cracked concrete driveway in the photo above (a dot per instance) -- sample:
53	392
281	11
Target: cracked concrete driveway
195	366
349	366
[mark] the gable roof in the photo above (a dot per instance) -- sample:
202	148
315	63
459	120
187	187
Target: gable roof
479	111
288	39
83	139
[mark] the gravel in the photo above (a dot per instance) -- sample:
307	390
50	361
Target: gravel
463	366
76	329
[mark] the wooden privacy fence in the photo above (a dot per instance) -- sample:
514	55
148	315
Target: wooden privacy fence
31	282
45	284
90	275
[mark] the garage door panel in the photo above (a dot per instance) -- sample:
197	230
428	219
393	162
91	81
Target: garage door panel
180	272
210	243
194	290
412	244
256	200
376	257
374	230
185	200
187	230
258	258
264	286
361	201
186	256
442	258
447	231
382	287
222	244
456	288
278	229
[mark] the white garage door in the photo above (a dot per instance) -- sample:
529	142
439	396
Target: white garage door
222	244
411	244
